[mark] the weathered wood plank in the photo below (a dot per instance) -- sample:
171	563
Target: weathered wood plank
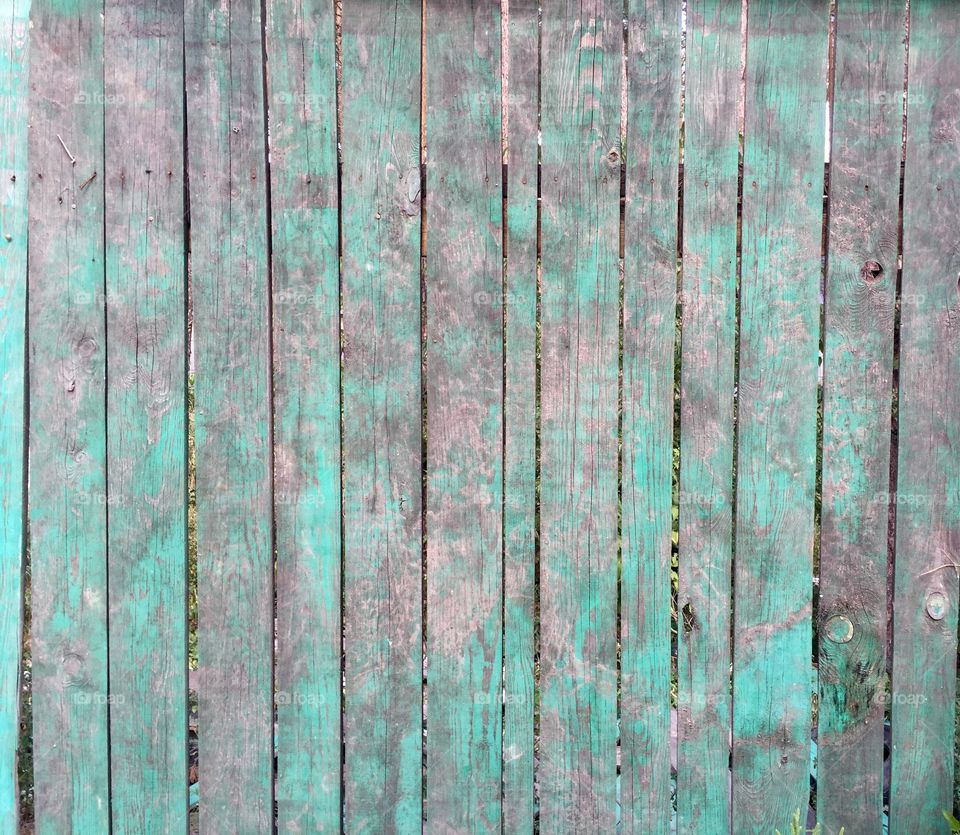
649	325
581	54
928	488
706	400
14	54
464	390
519	410
858	367
227	173
68	490
382	519
301	84
146	412
779	335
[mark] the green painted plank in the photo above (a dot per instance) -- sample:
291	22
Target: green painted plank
522	60
146	412
14	53
581	54
227	173
711	158
779	334
464	391
68	489
301	85
858	367
382	490
928	488
649	324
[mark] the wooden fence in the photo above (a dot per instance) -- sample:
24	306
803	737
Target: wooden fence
364	376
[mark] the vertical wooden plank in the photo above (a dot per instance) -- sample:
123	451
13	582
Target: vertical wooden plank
649	325
779	336
519	410
229	264
706	401
14	53
68	490
146	412
581	53
464	389
300	43
382	518
858	366
928	489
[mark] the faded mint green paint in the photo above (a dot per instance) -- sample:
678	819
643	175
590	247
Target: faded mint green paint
649	312
14	53
382	520
928	487
581	56
464	393
146	413
711	156
779	334
858	366
519	412
306	315
235	564
68	488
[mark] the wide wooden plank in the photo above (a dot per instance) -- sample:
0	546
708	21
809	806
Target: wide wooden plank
706	401
229	267
521	112
858	367
649	312
779	336
67	350
301	84
382	490
581	54
146	412
464	391
928	486
14	54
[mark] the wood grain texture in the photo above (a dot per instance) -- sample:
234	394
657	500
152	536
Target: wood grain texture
146	413
581	53
706	401
928	488
231	301
858	367
649	313
382	518
519	410
14	174
301	84
68	489
464	390
779	333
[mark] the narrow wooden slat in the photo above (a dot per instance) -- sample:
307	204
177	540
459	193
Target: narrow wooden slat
464	390
300	43
649	311
382	520
928	488
68	490
581	53
519	410
706	401
858	366
779	335
14	53
227	173
146	412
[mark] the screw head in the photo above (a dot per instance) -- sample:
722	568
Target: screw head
937	605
